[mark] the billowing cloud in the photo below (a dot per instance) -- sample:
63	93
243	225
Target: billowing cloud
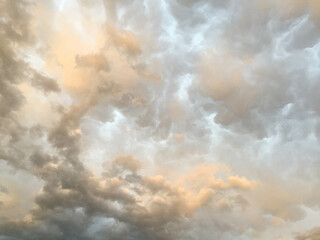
159	120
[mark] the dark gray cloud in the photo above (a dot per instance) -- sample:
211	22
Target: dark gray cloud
72	199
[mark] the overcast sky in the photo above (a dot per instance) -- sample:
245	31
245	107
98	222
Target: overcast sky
160	120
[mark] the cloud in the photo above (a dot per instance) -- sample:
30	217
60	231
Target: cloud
312	234
97	62
72	197
45	84
15	38
124	40
170	120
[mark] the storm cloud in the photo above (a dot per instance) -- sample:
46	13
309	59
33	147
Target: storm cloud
159	119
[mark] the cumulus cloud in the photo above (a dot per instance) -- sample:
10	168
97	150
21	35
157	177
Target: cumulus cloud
71	198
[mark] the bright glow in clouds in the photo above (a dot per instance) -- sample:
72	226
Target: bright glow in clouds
160	120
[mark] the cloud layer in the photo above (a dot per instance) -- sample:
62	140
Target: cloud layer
159	120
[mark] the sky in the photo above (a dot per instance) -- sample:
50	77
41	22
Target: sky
160	120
